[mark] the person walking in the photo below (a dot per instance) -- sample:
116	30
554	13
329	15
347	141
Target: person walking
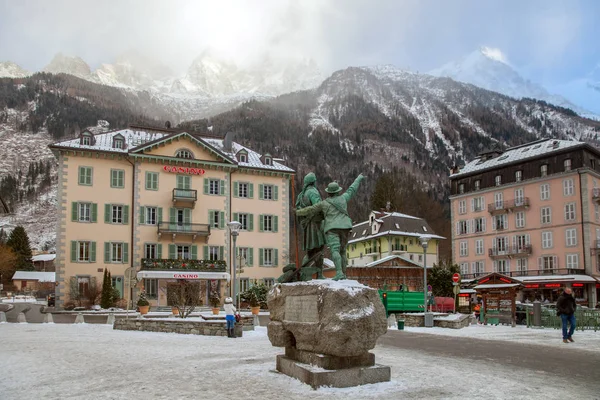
565	308
230	316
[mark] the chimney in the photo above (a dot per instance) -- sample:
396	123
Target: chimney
228	141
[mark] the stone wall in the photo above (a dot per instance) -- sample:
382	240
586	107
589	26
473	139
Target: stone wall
207	328
416	320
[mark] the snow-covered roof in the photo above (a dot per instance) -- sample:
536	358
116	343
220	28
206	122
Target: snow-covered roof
518	153
137	138
497	286
43	257
555	278
34	276
392	257
392	223
393	232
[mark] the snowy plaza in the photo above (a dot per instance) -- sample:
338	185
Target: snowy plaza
66	361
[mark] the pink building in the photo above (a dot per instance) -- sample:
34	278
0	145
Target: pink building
531	212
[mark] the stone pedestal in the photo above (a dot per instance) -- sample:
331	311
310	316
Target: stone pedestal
327	329
48	318
21	318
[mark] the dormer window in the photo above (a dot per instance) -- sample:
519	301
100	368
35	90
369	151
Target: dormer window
267	159
544	170
242	156
118	144
567	164
86	141
477	184
498	180
184	154
461	188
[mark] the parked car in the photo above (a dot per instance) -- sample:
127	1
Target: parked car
51	300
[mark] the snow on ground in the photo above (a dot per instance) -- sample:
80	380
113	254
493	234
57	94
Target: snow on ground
84	361
585	340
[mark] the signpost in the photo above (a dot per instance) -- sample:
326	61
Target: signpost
456	288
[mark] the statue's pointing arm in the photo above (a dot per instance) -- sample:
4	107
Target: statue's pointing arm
311	210
348	194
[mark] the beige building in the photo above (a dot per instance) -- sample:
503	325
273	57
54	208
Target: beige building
158	201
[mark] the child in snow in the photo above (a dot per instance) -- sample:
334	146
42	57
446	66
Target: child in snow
230	316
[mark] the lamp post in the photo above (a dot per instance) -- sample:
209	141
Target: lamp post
424	240
234	230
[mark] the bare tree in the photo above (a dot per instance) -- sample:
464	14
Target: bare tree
185	296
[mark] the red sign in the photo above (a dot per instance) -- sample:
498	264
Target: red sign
578	285
532	286
464	295
186	276
456	278
483	280
505	280
552	285
184	170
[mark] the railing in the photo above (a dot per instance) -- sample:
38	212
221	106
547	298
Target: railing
510	251
586	319
186	229
184	265
554	271
474	275
508	205
185	194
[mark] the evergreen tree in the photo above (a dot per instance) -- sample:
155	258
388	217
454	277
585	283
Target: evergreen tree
440	278
106	296
18	241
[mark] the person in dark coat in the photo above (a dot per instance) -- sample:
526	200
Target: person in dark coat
565	308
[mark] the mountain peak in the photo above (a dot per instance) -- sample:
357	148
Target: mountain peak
493	54
9	69
68	65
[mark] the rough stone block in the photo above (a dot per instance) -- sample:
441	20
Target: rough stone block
341	378
330	362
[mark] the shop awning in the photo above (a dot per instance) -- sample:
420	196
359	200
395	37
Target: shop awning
556	278
188	275
497	286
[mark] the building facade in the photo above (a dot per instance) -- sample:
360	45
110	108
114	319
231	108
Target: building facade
154	204
532	213
390	233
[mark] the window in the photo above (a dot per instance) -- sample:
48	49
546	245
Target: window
184	182
151	288
546	240
268	257
268	223
214	186
500	245
477	184
500	222
571	237
243	158
117	178
499	200
462	228
150	250
216	219
567	164
118	144
568	189
521	242
84	212
83	254
573	261
420	258
269	282
268	161
545	191
548	263
464	268
151	180
521	264
267	192
501	266
85	176
519	197
116	252
244	284
462	207
461	188
479	247
479	225
520	219
214	253
544	170
184	154
498	180
464	249
83	284
183	253
116	214
245	256
151	215
86	141
570	212
597	212
593	163
518	176
546	215
478	203
478	267
243	190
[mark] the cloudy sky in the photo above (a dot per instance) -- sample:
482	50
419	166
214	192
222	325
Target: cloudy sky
547	41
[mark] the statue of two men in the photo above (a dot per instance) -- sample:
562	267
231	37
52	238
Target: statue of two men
327	217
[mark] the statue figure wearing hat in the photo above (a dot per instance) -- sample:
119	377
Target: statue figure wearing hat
337	223
312	225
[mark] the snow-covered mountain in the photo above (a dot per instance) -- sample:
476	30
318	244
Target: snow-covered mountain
490	69
9	69
68	65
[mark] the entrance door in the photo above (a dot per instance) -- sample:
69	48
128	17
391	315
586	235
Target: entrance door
117	283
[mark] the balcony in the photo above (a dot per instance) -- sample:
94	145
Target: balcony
596	195
175	229
508	206
510	252
183	265
185	195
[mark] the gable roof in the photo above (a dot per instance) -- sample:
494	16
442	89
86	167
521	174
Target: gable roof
394	224
34	276
410	263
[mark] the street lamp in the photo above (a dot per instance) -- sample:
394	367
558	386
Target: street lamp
234	230
426	322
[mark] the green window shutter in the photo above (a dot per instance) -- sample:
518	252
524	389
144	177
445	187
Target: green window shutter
275	192
222	187
187	182
106	252
125	215
275	223
81	176
180	182
113	178
261	191
235	217
275	257
262	223
89	175
107	210
125	253
73	251
121	178
251	190
93	252
155	181
148	180
172	215
74	212
187	216
159	251
221	252
194	252
250	259
211	217
250	222
94	212
142	215
260	257
205	252
236	189
205	185
172	252
222	219
159	215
